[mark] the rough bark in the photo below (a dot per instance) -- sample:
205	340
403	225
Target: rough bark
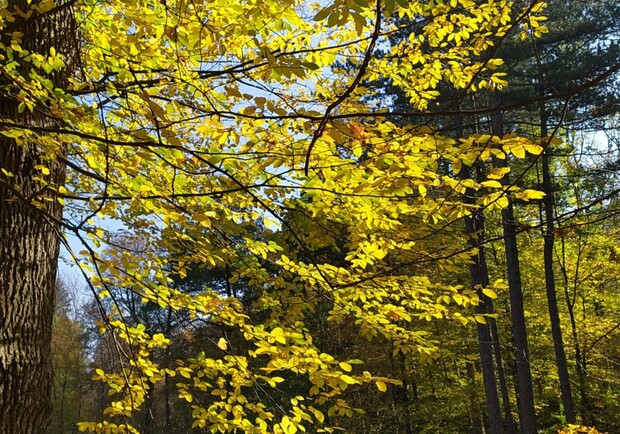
29	246
29	237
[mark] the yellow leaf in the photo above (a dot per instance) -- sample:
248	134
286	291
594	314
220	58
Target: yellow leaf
517	150
345	366
357	151
498	172
319	416
381	386
489	293
203	219
348	380
491	184
44	170
529	194
422	190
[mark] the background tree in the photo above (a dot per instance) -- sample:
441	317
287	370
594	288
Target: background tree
580	53
69	360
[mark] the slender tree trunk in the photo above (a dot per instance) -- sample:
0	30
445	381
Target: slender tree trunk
29	235
167	409
579	359
527	412
400	394
485	340
511	427
475	415
167	380
474	229
501	372
405	403
81	393
61	412
552	302
148	415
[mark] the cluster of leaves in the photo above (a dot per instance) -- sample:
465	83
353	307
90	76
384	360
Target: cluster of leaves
223	137
577	429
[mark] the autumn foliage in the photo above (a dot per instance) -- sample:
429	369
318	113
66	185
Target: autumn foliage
244	140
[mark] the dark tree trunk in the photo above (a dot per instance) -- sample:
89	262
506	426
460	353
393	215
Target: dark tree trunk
552	302
29	246
511	427
405	398
475	415
29	236
527	412
485	340
168	392
474	229
580	360
148	427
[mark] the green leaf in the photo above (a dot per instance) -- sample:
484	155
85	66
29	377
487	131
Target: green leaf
323	13
311	66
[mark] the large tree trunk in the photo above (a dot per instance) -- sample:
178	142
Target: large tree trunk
29	235
29	254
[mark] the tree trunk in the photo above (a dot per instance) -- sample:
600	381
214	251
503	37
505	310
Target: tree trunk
579	358
511	427
168	392
527	412
29	234
485	339
148	414
552	302
475	415
474	229
405	398
29	246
